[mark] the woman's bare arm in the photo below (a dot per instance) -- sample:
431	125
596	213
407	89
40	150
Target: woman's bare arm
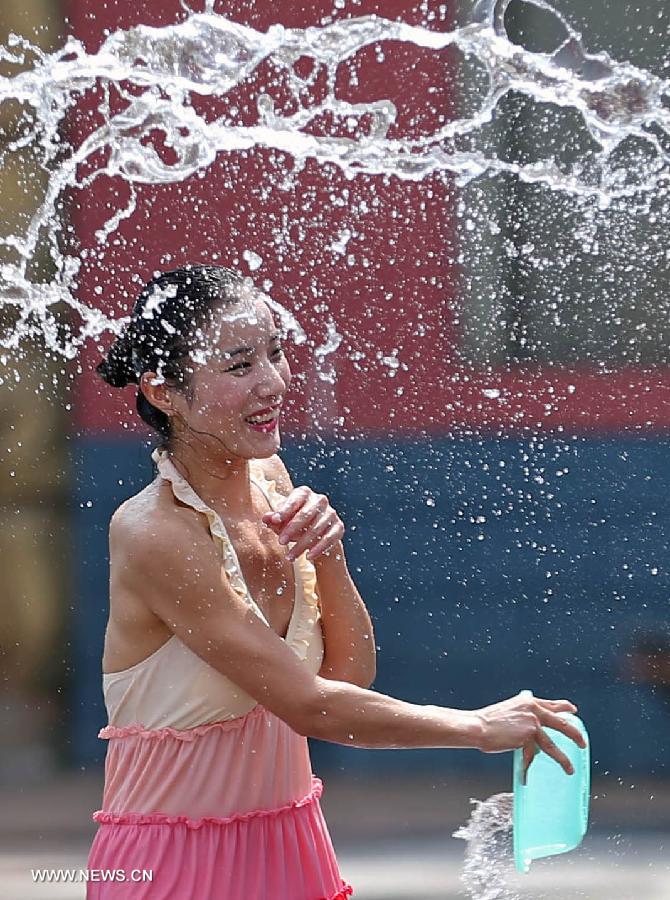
348	634
174	565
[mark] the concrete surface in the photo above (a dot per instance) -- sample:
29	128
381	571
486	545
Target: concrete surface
392	836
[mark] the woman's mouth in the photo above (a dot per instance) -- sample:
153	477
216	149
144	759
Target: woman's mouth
265	421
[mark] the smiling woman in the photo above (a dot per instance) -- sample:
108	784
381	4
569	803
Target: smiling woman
207	357
166	324
235	630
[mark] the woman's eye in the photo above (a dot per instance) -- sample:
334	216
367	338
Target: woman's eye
277	353
239	367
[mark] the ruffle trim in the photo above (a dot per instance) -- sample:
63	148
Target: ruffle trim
184	492
346	891
307	571
301	624
110	732
109	818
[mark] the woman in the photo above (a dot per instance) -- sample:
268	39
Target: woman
235	630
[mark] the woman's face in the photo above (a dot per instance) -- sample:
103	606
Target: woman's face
241	377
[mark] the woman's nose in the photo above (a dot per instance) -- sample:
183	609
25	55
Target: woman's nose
270	381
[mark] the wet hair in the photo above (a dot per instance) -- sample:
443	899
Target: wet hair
167	318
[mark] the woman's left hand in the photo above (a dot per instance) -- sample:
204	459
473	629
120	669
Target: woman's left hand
308	519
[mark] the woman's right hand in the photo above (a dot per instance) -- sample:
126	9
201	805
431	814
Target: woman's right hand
518	722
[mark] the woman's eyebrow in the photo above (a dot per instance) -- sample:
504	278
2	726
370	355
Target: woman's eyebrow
227	354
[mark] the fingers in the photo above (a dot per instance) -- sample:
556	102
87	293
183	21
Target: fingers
293	514
557	705
333	535
312	507
308	521
558	723
545	743
288	507
318	528
529	752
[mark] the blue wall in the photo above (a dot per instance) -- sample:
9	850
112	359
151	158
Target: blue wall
487	567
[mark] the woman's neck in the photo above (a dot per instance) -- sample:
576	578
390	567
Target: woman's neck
220	480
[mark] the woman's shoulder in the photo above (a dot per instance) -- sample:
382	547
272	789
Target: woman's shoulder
151	514
273	469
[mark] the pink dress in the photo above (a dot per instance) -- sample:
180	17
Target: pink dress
205	787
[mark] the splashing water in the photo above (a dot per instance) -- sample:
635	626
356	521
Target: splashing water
332	342
158	71
488	856
149	78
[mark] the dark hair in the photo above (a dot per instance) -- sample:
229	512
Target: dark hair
163	330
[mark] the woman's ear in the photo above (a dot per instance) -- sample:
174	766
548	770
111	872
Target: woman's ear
156	391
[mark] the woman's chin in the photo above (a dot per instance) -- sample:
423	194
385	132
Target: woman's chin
270	450
266	444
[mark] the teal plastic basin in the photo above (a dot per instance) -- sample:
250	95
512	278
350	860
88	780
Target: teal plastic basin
551	811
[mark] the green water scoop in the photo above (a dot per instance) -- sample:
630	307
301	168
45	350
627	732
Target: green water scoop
551	810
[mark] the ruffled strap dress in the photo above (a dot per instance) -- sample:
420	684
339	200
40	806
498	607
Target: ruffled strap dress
206	789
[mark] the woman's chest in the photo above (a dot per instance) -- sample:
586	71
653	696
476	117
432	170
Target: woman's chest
269	577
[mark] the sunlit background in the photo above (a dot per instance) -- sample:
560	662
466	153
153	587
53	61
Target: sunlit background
492	428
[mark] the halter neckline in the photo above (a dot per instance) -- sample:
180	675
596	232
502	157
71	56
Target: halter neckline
305	605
